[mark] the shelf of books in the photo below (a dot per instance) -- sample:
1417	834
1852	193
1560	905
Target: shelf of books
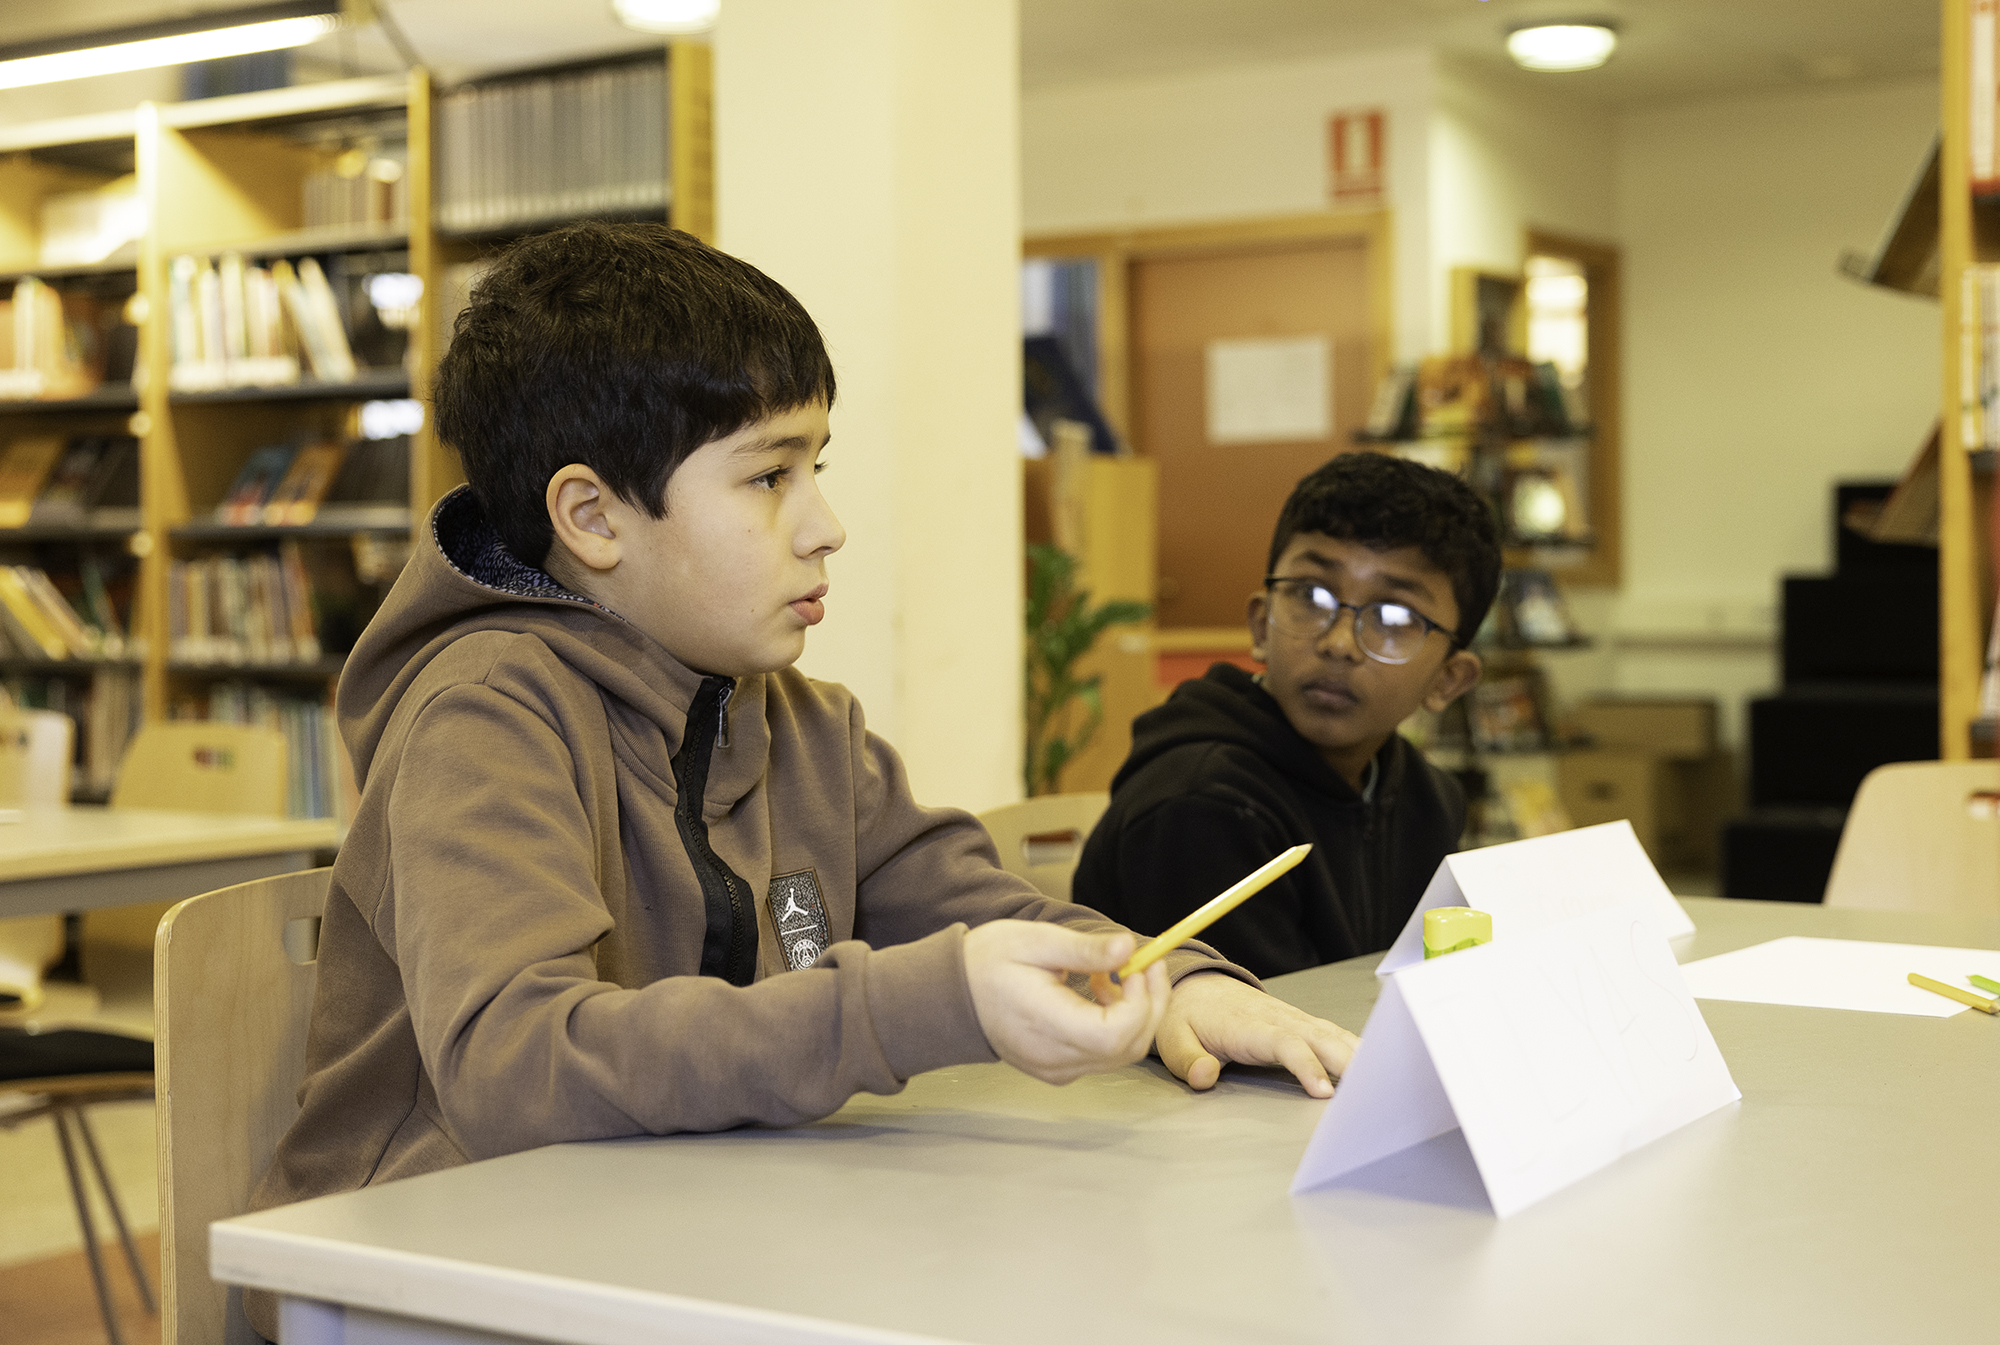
1518	432
218	324
1968	267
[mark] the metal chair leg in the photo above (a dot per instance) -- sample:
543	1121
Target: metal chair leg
89	1231
117	1213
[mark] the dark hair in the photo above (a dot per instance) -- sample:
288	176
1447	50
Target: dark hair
624	347
1385	502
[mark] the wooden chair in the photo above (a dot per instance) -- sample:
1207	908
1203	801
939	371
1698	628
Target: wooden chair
1042	838
1922	836
233	987
198	766
185	766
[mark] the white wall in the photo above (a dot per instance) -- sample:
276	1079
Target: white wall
1501	163
867	159
1755	376
1230	144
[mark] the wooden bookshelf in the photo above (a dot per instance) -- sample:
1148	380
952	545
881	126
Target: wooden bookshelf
1966	236
226	174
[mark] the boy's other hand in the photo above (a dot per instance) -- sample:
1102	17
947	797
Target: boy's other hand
1035	1022
1214	1019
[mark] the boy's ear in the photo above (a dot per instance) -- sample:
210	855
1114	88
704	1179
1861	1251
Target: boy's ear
1453	679
1259	614
579	506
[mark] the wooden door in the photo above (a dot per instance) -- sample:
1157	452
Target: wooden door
1219	501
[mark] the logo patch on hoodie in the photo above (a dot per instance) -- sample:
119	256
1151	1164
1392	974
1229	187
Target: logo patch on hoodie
800	915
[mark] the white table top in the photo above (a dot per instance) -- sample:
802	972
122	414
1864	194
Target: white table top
58	842
1850	1196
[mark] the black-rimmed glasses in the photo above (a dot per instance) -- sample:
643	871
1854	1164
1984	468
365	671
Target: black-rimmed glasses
1388	632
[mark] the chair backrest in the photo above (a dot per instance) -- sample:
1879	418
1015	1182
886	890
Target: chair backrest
1042	838
1922	836
198	766
35	751
233	987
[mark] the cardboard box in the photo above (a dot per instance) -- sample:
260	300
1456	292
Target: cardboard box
1676	728
1676	807
1609	784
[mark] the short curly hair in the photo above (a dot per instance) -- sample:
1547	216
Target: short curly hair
624	347
1385	502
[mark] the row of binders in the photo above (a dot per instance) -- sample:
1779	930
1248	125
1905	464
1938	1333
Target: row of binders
317	785
235	325
40	620
248	611
49	480
553	146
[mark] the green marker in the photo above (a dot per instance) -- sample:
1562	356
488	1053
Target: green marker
1991	987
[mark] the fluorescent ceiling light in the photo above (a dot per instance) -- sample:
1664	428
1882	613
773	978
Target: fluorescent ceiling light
1562	46
205	38
667	16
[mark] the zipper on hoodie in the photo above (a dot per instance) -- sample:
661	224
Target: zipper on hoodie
729	943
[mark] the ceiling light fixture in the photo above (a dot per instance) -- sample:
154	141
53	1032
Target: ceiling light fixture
208	37
1562	46
667	16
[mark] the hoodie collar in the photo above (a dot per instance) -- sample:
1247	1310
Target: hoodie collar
1228	705
463	580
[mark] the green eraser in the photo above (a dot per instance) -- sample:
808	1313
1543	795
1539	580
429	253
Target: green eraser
1450	928
1990	986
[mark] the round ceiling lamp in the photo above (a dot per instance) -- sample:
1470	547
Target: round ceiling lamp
667	16
1562	46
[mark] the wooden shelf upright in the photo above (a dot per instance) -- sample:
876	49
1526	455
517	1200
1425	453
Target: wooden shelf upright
1965	238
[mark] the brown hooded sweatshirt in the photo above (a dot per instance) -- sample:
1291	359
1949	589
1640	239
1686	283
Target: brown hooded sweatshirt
569	908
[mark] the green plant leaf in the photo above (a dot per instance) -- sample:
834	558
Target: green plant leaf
1061	626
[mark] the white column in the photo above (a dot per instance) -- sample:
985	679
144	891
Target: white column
867	158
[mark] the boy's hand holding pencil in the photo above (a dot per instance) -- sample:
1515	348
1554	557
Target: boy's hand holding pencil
1035	1022
1199	919
1016	970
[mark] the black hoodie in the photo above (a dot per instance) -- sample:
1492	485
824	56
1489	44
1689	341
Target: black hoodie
1219	782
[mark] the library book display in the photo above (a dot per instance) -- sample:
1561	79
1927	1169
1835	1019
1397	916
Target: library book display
218	321
1841	1200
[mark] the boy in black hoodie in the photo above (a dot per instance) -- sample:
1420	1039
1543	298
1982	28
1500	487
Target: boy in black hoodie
1380	572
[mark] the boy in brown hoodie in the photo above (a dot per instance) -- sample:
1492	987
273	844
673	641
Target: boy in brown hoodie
618	868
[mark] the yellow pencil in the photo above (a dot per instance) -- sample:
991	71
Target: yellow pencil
1978	1002
1208	914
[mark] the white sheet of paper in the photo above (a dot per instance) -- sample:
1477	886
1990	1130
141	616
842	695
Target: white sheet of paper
1842	974
1556	1052
1526	885
1270	390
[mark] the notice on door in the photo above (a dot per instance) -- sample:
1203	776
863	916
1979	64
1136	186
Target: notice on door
1270	390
